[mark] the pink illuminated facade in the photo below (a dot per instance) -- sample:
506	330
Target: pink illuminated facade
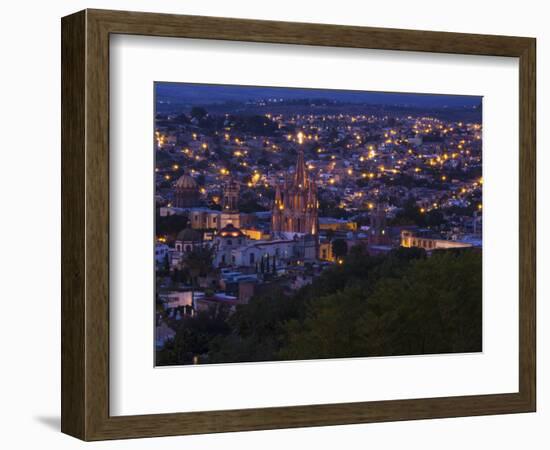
295	208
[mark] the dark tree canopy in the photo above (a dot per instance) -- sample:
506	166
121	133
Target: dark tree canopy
199	260
398	304
433	307
339	248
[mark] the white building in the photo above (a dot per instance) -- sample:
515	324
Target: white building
279	251
226	241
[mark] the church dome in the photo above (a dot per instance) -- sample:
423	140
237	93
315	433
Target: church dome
188	235
231	231
186	182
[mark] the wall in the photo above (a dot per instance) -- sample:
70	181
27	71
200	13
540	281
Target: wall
30	226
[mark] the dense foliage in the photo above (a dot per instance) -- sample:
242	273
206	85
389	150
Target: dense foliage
399	304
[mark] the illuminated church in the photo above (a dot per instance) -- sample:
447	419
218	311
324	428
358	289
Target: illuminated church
186	192
295	209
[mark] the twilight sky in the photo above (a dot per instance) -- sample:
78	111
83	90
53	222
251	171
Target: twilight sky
204	94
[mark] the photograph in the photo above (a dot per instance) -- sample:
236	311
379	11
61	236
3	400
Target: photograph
300	224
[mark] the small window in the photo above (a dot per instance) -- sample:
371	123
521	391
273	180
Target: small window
252	258
229	242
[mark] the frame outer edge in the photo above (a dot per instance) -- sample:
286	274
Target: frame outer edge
96	201
73	225
307	33
527	232
85	229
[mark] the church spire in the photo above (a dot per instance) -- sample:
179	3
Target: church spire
300	174
278	198
230	196
312	195
295	209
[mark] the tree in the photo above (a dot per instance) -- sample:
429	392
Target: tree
329	329
401	303
257	328
199	261
421	306
434	308
193	337
339	248
159	306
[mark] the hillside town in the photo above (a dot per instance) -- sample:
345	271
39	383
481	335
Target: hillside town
271	193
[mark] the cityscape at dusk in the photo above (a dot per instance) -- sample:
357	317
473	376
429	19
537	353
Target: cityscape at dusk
295	224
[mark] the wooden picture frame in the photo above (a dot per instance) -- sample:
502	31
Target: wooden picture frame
85	224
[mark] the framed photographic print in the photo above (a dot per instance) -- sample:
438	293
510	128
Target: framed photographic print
270	224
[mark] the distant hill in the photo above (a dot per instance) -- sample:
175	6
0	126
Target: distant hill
174	96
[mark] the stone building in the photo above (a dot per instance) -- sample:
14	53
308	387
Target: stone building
187	240
228	239
230	205
230	201
186	192
378	230
408	240
295	208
